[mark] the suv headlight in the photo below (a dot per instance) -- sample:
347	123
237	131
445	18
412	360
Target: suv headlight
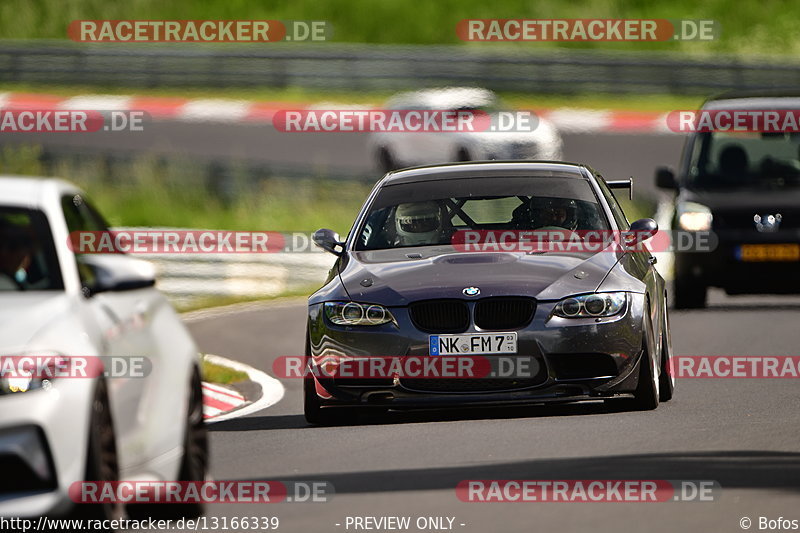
601	304
356	314
694	217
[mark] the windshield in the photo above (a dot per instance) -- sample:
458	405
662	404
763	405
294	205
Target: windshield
430	213
27	255
745	159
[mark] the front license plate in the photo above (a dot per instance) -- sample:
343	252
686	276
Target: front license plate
769	252
477	344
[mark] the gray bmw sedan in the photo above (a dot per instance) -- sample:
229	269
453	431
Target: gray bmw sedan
488	283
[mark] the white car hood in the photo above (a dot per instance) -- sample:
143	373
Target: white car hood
24	314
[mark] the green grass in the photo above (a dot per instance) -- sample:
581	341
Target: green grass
766	27
299	96
149	192
213	373
223	300
274	204
288	94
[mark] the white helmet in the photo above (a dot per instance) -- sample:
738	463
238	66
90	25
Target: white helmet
418	223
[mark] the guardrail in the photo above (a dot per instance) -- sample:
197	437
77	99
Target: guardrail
384	67
186	278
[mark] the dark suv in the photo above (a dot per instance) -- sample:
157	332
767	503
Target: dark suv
744	187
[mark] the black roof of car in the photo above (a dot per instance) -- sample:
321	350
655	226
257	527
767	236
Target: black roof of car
485	169
761	99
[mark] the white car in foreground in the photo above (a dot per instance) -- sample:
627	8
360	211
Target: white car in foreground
54	432
537	139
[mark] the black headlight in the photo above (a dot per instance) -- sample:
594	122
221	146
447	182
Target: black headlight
357	314
601	304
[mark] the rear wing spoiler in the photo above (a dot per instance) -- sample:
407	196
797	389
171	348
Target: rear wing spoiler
622	184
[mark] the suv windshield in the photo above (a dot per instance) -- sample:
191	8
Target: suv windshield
429	213
745	159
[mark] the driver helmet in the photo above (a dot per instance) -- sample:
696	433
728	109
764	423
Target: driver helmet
554	212
419	223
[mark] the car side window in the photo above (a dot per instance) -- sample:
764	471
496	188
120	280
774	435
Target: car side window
80	216
616	210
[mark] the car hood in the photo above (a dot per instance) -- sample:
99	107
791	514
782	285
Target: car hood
24	314
392	278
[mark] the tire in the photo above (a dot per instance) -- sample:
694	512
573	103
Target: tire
312	408
101	459
463	155
646	396
329	416
194	463
666	383
386	163
689	294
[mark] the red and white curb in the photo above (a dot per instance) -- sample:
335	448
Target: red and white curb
576	120
221	403
568	120
218	399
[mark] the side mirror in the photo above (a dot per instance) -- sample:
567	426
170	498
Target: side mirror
641	230
114	272
665	178
328	240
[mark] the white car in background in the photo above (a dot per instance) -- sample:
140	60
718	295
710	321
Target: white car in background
393	150
54	432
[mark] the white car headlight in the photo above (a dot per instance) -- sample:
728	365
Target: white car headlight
22	384
694	217
357	314
601	304
26	373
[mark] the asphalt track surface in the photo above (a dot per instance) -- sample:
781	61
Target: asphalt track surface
742	433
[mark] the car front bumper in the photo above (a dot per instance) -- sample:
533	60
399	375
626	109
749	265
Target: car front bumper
52	424
575	359
722	267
